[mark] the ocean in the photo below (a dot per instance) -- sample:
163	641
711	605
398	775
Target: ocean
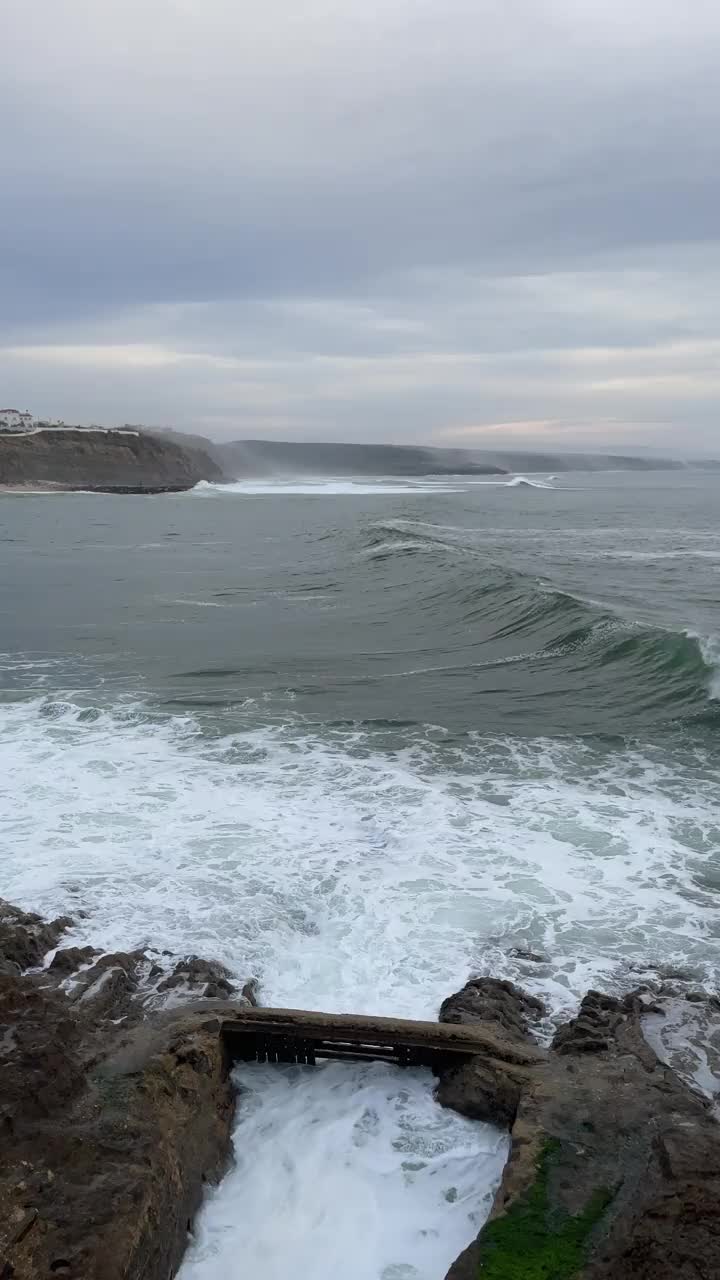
360	739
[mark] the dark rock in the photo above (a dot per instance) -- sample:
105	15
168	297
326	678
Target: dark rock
484	1090
202	977
520	953
25	938
493	1002
614	1171
250	991
39	1051
106	991
108	1133
68	959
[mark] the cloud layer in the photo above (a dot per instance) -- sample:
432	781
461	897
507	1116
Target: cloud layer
448	223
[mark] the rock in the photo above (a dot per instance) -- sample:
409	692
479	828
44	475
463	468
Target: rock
25	938
113	1116
250	991
106	991
201	977
614	1170
521	953
490	1088
68	959
493	1002
39	1052
484	1090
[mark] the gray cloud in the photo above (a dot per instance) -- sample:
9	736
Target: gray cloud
315	220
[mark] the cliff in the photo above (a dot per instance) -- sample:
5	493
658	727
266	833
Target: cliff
242	458
246	458
106	461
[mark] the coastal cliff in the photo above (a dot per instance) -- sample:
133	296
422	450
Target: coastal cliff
124	461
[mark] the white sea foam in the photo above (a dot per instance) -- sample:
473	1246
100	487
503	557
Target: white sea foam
515	482
522	481
350	1171
349	877
320	487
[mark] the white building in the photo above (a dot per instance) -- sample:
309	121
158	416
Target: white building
13	420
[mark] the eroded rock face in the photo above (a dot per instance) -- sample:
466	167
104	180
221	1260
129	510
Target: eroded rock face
614	1171
107	461
114	1112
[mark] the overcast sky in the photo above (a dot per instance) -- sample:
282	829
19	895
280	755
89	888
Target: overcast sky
443	221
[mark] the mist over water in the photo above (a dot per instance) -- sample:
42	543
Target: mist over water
361	740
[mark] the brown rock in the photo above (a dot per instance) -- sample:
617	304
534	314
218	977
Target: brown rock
108	1132
68	959
614	1171
493	1002
25	938
200	977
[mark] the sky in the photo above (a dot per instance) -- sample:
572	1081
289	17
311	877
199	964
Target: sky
482	223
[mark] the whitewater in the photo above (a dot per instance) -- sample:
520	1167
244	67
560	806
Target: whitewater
361	755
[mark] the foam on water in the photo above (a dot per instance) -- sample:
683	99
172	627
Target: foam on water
515	482
346	1170
321	487
350	875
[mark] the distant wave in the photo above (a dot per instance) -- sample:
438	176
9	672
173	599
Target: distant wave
322	487
518	482
327	486
513	482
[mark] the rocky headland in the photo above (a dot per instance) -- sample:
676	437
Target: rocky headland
137	460
123	461
116	1107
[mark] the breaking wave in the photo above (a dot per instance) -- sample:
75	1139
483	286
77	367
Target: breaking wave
521	617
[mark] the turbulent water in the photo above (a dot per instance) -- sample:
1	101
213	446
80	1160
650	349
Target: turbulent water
360	739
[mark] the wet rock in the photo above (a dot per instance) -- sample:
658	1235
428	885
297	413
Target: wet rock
490	1088
484	1090
69	959
113	1115
200	977
493	1002
521	953
614	1171
25	938
250	991
107	989
39	1052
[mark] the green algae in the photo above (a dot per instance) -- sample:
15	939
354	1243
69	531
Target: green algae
534	1241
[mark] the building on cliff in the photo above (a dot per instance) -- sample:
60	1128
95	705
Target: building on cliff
13	420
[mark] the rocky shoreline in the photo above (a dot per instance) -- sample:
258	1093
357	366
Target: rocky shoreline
116	1107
